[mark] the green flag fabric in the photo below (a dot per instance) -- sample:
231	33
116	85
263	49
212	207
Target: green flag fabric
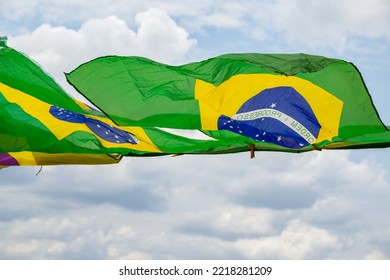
276	102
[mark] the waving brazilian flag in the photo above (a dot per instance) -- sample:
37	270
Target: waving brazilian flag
40	124
276	102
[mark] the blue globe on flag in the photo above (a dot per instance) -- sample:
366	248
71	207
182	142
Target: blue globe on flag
103	130
277	115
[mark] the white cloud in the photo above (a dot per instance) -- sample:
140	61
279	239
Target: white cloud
59	12
331	210
316	26
160	37
229	222
326	25
376	255
60	49
92	212
17	9
297	241
82	234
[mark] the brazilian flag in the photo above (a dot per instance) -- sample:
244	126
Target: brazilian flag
40	124
270	102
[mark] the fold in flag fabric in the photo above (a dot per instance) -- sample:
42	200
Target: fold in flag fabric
278	102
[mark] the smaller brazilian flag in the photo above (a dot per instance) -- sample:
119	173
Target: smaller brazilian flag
274	102
42	125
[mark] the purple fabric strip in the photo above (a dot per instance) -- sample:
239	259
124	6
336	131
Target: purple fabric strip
7	160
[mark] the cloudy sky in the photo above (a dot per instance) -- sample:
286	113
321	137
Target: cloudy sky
318	205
